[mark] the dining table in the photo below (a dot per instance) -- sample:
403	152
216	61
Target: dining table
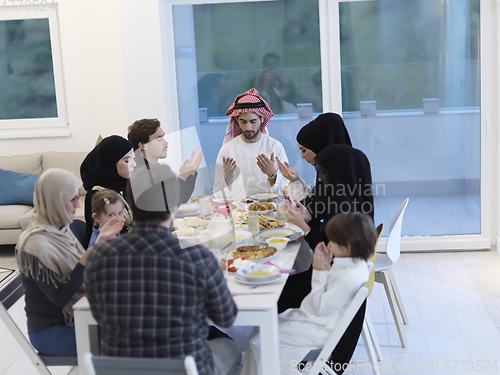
257	306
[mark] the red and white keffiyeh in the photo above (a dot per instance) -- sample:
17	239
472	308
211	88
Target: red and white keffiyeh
249	101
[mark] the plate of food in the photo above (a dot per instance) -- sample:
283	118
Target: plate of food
259	273
266	223
263	236
190	226
262	207
264	196
254	252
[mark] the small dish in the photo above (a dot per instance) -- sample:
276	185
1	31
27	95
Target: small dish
262	273
241	280
276	232
263	236
233	265
188	209
242	236
278	242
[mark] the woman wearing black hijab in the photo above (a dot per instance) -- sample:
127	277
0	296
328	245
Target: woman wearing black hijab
345	177
327	129
107	166
346	186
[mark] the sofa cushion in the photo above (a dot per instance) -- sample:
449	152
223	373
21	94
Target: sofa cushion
31	164
17	188
70	161
9	216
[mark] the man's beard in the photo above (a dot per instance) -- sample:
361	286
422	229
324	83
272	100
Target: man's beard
252	136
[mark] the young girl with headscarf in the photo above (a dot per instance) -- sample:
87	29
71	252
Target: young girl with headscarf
52	262
107	166
246	163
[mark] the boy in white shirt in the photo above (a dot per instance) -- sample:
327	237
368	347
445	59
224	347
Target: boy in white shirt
352	238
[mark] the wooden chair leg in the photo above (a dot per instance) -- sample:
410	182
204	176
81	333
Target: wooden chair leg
399	300
392	303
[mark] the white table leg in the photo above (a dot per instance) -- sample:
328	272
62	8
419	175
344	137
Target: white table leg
269	344
267	321
83	321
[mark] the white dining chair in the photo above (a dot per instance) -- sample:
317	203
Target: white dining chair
368	331
317	360
383	270
12	292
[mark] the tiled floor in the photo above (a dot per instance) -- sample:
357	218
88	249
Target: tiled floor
453	305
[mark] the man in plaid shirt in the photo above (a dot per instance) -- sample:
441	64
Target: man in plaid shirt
150	297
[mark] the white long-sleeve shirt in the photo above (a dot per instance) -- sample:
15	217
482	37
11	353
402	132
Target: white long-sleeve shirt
310	326
250	180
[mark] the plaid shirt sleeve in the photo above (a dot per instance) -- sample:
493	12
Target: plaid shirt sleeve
219	303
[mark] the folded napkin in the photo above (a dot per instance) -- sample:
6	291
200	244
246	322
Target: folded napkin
281	270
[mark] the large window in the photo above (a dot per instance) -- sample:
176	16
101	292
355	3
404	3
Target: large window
272	46
418	63
398	53
406	75
31	90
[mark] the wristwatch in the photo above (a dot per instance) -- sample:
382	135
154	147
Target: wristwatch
273	176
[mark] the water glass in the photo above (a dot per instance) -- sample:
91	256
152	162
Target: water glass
253	222
280	209
205	208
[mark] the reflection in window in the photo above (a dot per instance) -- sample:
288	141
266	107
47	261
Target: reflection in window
27	88
272	46
401	52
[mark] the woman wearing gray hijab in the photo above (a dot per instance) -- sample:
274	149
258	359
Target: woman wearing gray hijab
52	261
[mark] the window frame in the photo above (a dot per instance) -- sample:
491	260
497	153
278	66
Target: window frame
40	127
332	101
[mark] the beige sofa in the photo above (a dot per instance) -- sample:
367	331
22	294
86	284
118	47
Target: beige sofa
13	218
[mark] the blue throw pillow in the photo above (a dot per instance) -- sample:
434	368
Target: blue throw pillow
17	188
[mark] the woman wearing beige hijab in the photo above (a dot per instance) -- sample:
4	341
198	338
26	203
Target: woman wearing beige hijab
52	262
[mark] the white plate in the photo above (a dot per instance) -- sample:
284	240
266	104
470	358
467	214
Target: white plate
278	233
257	282
264	196
293	227
246	236
245	273
188	209
263	212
